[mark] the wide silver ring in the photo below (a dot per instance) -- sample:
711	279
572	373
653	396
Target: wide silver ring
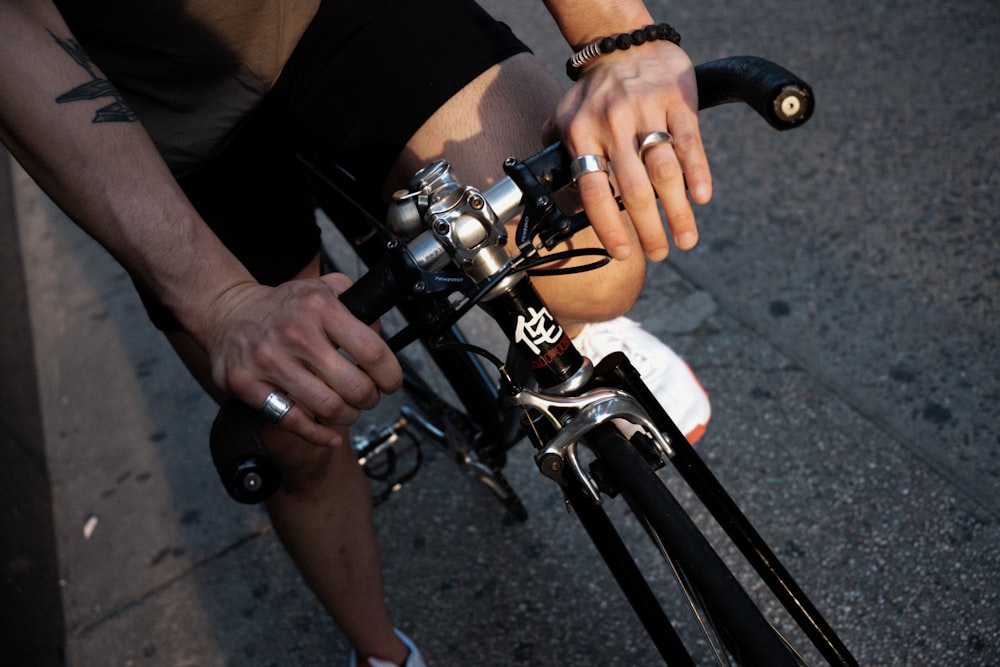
587	164
275	407
654	139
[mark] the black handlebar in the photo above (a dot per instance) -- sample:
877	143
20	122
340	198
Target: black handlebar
373	294
784	100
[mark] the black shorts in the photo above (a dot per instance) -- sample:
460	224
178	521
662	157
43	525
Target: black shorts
354	101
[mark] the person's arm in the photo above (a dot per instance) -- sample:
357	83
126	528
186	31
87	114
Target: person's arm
104	172
87	151
619	99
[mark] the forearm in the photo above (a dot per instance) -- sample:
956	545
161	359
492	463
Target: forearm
107	176
583	21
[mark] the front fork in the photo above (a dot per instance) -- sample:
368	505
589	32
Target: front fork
574	418
558	419
575	397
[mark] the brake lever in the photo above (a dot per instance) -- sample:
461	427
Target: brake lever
538	203
443	316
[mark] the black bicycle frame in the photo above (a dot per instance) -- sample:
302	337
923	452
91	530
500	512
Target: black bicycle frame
553	358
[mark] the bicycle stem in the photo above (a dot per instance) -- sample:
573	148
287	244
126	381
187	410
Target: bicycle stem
464	227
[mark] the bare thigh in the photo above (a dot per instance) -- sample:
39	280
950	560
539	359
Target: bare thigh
499	114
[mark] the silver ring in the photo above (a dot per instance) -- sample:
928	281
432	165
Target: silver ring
275	407
654	139
587	164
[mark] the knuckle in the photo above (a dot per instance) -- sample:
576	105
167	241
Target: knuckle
576	133
681	221
330	407
686	140
370	350
360	392
315	298
338	282
396	380
265	356
236	379
663	169
638	195
290	334
592	187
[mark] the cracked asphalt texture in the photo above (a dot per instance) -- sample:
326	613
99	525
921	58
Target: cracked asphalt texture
841	309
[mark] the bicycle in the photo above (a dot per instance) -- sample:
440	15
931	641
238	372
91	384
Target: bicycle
442	252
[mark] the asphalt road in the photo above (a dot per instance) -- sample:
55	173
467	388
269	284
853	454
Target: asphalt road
841	309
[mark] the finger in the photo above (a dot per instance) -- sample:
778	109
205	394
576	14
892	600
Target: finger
337	282
328	382
667	178
639	197
698	176
336	395
690	152
298	421
320	394
365	346
372	367
301	356
302	359
304	425
591	177
599	203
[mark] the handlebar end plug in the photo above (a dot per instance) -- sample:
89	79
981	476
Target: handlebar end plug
793	105
253	480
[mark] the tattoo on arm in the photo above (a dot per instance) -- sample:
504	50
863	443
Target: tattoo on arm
98	87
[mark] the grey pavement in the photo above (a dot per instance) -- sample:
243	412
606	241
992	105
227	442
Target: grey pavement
841	309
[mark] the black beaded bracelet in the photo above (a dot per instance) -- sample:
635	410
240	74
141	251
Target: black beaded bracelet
626	40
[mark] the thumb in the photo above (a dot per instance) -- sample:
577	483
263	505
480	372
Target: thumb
336	282
550	131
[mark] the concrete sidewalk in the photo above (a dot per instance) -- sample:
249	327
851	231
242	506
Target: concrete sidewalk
841	309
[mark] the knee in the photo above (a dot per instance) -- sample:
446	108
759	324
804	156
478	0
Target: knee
595	296
616	288
305	468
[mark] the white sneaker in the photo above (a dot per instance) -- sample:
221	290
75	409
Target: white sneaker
412	660
669	378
